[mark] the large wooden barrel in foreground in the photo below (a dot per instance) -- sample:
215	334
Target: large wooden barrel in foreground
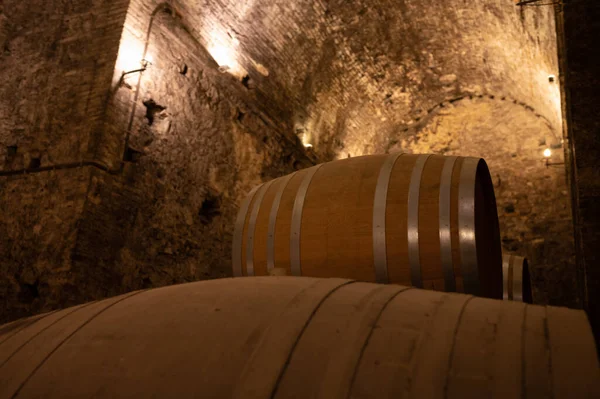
422	220
516	279
294	337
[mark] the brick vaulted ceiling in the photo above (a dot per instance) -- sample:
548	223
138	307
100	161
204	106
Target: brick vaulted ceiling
101	200
349	74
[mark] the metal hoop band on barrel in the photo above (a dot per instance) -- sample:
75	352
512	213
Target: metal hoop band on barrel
445	237
252	227
296	268
413	221
466	226
273	220
379	212
506	266
238	233
517	285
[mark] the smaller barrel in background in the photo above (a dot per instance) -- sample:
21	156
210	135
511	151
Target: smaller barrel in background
516	279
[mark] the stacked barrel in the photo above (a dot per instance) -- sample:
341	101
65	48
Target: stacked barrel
423	220
516	281
413	221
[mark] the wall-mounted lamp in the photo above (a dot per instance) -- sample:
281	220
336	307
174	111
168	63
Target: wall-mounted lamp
308	145
142	69
224	49
547	153
145	63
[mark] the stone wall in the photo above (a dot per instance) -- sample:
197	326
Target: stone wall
579	28
531	191
56	64
395	62
350	73
146	122
56	61
138	176
40	215
199	142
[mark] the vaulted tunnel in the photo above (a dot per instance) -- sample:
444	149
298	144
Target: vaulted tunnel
166	113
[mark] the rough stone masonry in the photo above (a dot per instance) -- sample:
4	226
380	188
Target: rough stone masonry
131	130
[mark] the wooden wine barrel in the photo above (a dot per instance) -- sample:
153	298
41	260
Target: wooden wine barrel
516	279
423	220
300	337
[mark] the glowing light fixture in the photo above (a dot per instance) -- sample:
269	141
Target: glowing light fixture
547	152
131	53
132	57
148	60
304	136
222	49
222	55
144	65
